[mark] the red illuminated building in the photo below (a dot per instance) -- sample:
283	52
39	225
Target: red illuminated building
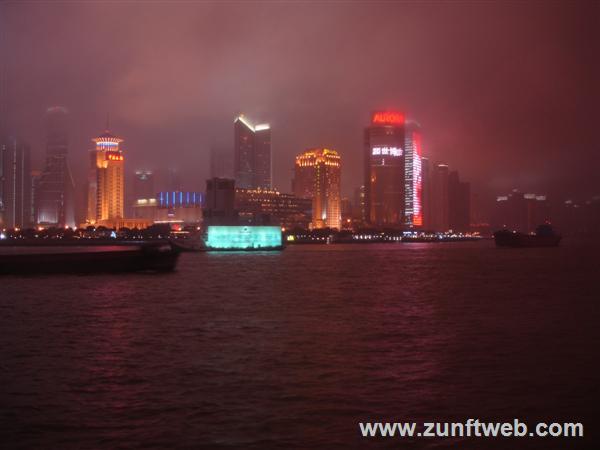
385	169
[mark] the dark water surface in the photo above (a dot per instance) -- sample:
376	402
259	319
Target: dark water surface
293	349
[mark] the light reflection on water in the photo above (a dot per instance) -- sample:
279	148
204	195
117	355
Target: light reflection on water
293	348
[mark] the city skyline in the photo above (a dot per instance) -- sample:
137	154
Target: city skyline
495	133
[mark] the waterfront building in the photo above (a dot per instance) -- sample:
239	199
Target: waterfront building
413	176
219	204
143	184
426	197
252	154
317	175
439	198
521	211
221	162
384	169
15	184
459	203
268	206
106	180
55	197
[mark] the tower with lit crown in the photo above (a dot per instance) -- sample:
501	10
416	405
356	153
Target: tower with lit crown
317	175
106	180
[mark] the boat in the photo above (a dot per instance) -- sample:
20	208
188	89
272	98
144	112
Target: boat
101	258
544	236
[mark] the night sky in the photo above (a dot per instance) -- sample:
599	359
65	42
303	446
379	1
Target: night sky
507	93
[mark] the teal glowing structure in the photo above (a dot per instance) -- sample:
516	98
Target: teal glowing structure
243	238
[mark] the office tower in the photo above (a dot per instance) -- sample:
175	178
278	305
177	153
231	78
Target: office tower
413	181
271	207
358	211
55	204
252	154
143	184
439	198
384	169
15	184
219	204
221	163
174	180
521	212
426	174
106	181
317	175
459	203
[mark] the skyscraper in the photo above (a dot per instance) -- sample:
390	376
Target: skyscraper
143	184
317	175
413	177
252	156
55	197
439	198
106	180
221	162
384	169
15	184
459	203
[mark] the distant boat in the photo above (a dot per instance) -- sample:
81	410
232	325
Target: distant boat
544	236
31	259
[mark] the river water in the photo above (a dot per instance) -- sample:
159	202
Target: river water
293	349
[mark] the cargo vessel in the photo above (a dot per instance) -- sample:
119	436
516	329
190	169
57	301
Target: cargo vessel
94	258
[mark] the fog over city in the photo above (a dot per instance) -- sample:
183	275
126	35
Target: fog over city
506	93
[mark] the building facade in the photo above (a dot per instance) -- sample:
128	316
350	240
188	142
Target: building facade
317	175
413	177
271	207
16	208
55	197
252	154
459	203
384	166
106	181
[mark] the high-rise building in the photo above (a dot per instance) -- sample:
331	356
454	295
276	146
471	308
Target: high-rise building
521	212
358	211
426	176
15	184
439	198
106	180
413	176
384	169
143	184
459	203
55	198
252	156
317	175
221	163
219	204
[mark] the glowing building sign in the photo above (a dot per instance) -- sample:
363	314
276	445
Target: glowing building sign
387	118
387	151
243	237
417	181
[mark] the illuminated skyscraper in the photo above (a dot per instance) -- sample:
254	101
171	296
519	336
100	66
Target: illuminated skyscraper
252	159
384	169
317	175
413	177
55	205
106	180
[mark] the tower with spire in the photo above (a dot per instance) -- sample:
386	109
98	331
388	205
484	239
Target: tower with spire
106	181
